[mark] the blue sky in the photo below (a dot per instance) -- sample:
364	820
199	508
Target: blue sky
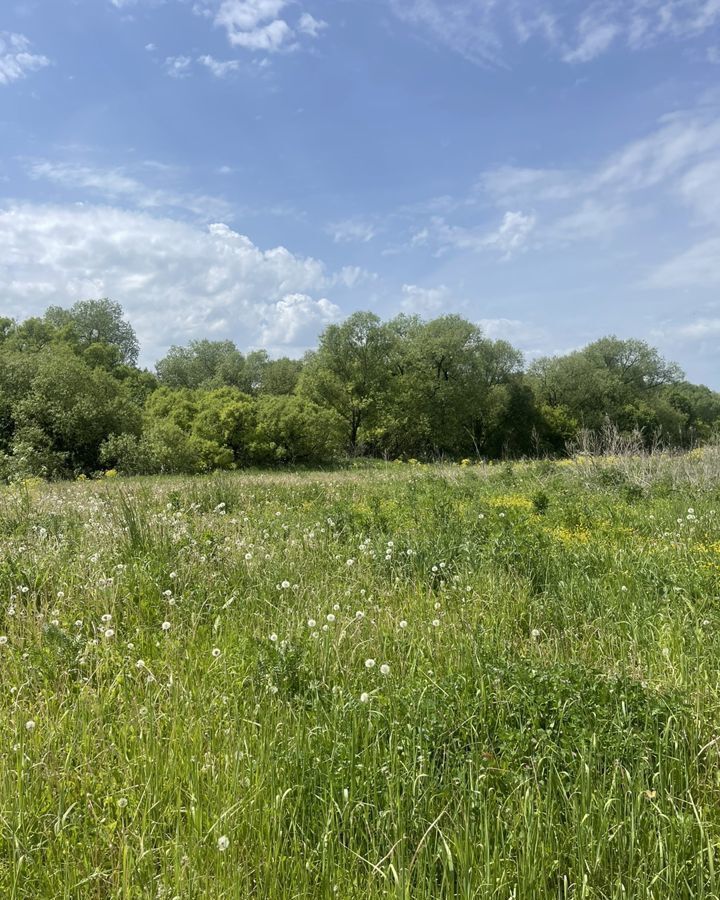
256	169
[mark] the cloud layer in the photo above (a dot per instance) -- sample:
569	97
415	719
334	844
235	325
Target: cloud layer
176	281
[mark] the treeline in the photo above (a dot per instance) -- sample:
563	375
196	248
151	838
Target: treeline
73	400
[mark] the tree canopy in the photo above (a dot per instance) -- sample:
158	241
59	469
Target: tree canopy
73	399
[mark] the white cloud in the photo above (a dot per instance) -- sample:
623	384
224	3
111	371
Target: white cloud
593	219
178	66
514	330
218	68
699	329
352	231
175	280
699	187
467	27
116	184
424	301
697	267
681	156
16	60
508	239
254	24
310	25
483	30
512	234
296	320
595	37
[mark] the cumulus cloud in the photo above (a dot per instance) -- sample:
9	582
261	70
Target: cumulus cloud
295	320
261	25
175	280
423	300
16	59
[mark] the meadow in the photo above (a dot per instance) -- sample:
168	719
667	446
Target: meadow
389	681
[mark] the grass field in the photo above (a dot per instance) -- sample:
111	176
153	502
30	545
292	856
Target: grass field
397	681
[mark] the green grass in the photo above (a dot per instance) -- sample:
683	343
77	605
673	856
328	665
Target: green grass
548	727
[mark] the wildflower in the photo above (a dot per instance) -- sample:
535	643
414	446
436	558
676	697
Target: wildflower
273	637
369	663
30	725
285	585
3	640
165	626
359	614
436	623
78	623
385	669
403	623
122	803
350	562
106	618
311	623
535	634
364	697
173	575
109	632
216	652
330	618
140	664
223	843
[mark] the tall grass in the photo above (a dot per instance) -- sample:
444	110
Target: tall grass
407	682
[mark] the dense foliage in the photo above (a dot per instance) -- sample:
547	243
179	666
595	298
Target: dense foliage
394	681
72	399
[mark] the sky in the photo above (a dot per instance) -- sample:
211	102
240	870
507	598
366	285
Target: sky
257	169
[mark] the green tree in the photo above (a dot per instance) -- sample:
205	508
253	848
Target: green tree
349	372
91	322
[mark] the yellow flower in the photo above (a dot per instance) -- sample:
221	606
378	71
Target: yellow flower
511	501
